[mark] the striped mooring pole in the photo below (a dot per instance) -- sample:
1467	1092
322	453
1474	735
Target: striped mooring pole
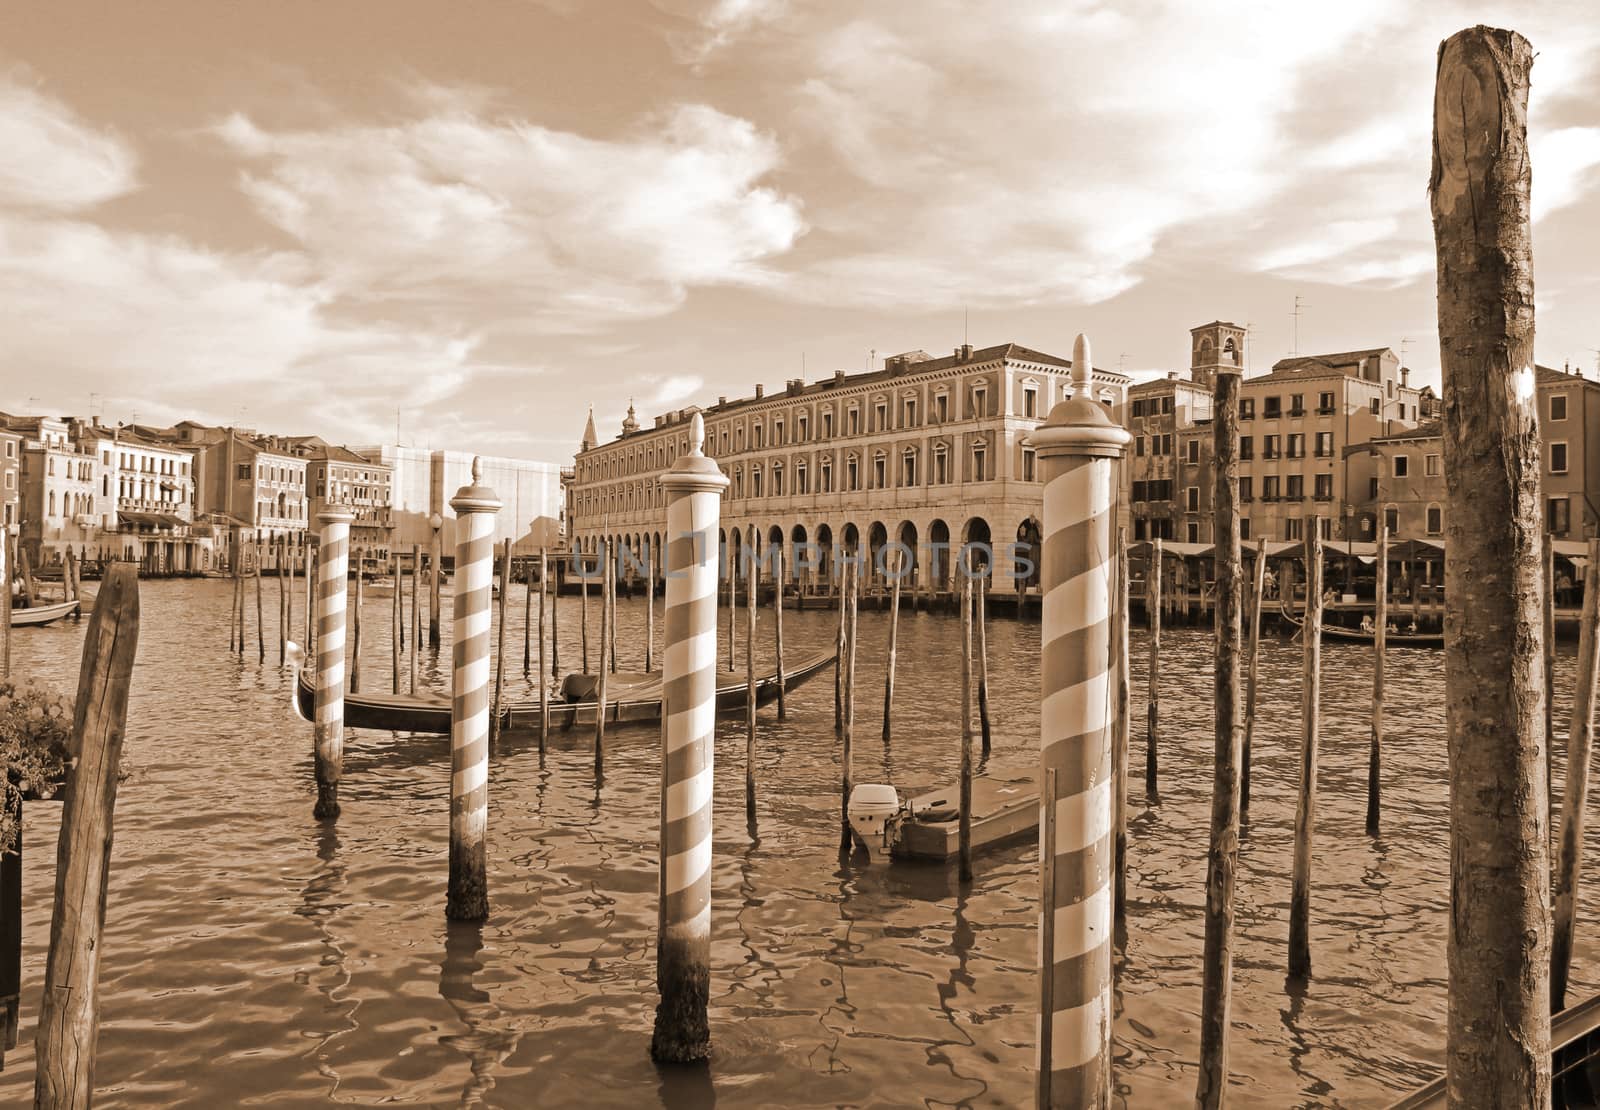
475	507
694	488
328	713
1079	448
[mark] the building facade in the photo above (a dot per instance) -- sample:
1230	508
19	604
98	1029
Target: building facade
59	482
928	453
1169	461
339	478
10	478
145	499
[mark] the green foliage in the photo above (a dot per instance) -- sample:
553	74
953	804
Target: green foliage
35	727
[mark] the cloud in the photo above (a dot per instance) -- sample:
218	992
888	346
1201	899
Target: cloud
54	160
444	213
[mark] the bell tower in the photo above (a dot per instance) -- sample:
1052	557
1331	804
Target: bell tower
1213	346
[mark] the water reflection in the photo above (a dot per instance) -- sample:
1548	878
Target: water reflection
322	901
489	1037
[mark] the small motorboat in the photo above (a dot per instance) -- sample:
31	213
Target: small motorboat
928	826
630	698
41	613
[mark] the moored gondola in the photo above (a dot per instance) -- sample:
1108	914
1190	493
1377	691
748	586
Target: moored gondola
42	614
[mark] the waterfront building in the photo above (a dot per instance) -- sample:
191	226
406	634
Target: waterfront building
1406	481
1169	461
928	452
59	481
247	488
422	481
145	498
337	477
10	478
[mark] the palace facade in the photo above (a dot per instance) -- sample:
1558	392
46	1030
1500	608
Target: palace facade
931	453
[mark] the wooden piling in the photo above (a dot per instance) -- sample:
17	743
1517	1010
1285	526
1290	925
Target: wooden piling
283	601
650	611
69	1017
555	624
235	633
1257	596
982	617
1575	794
889	664
395	619
328	661
435	573
26	568
1120	727
306	560
1222	861
606	598
1311	724
964	828
750	687
1380	641
839	660
777	634
1153	699
733	606
1549	562
847	596
500	644
583	607
416	611
1498	1046
544	684
612	559
527	618
355	634
261	626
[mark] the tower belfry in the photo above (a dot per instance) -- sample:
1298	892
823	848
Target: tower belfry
590	440
1218	344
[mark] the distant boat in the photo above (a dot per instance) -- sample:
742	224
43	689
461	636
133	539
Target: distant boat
928	826
1391	638
629	698
42	614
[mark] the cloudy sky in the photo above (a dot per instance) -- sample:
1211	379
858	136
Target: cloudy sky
480	219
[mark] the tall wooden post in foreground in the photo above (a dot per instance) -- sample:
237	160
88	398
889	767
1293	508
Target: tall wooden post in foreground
544	685
1120	723
1575	793
1078	448
693	488
964	814
889	662
750	685
1305	813
355	632
1222	862
500	644
650	610
435	557
1257	595
1152	610
69	1021
1498	1050
475	505
1380	638
777	631
328	713
850	596
608	563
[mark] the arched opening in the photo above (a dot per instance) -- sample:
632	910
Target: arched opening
1028	554
939	554
909	566
824	557
877	537
801	566
977	548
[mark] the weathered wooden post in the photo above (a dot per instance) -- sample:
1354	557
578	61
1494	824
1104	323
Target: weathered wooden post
1380	641
1499	1023
1305	814
1078	448
328	707
416	611
5	604
650	610
839	660
10	865
964	816
583	606
982	617
261	625
608	562
750	685
307	557
544	684
733	603
888	669
26	568
1549	563
693	488
500	644
1152	606
1575	795
777	634
395	619
611	601
355	637
283	600
555	622
1222	861
527	618
435	567
850	596
475	507
1120	724
69	1019
1257	596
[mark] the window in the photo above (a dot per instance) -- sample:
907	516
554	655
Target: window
880	413
1246	489
1191	499
1194	451
855	421
1323	487
1028	466
801	426
758	433
880	471
1269	447
1435	520
1558	406
852	474
1166	444
941	464
1297	445
777	479
1372	488
1324	445
825	484
1193	531
1377	406
1402	466
1247	447
1030	401
911	412
1294	488
1297	404
980	395
1247	408
244	472
1138	447
1558	457
1138	408
1291	528
979	457
1269	488
908	467
941	408
1559	515
777	433
1324	403
1244	528
1166	406
1272	408
827	424
800	484
755	480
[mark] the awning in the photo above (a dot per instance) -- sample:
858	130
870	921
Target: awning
140	519
168	520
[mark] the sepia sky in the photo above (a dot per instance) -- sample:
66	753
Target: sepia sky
479	219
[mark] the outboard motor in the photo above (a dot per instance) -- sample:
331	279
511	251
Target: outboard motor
871	806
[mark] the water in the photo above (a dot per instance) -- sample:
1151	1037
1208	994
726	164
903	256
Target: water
256	958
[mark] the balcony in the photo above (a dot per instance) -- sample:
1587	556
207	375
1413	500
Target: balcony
1325	410
1296	413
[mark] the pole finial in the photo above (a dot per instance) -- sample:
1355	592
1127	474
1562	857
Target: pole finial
697	434
477	469
1082	367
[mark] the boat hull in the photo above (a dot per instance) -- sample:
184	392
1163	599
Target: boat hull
1003	811
35	615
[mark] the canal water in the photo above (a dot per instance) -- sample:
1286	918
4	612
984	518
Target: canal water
254	957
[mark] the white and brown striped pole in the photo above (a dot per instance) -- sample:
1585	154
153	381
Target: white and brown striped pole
328	714
1078	448
694	488
475	507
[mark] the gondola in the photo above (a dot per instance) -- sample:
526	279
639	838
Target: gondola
1574	1063
42	614
631	698
1391	639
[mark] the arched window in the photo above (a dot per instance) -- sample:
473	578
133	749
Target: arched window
908	467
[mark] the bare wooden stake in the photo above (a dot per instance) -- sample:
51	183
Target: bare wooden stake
777	634
982	617
1257	597
261	625
282	560
733	604
1152	607
1120	727
1575	795
600	689
1305	814
964	828
839	659
544	684
583	607
69	1019
888	671
650	611
1380	642
355	634
500	644
555	624
847	597
416	611
1549	562
750	685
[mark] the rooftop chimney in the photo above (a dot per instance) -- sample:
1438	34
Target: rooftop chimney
722	400
760	391
1172	375
966	352
838	377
